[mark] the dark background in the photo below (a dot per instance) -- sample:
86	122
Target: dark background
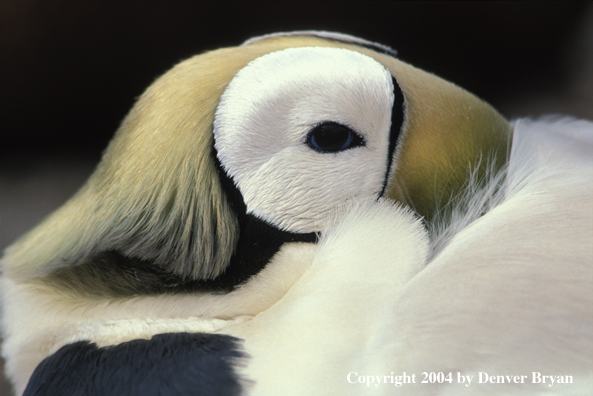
70	70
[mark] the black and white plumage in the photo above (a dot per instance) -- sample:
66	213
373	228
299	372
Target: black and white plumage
273	217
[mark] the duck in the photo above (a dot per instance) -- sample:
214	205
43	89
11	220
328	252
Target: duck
307	214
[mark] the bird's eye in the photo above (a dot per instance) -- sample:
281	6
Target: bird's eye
331	137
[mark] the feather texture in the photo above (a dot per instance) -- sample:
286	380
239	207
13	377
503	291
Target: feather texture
454	242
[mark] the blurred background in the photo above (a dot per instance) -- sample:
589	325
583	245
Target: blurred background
70	70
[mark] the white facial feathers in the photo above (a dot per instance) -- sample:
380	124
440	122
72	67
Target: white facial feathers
264	118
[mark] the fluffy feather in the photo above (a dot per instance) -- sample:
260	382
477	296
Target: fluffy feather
509	293
483	264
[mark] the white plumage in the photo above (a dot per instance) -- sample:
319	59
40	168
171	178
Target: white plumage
439	251
259	137
509	294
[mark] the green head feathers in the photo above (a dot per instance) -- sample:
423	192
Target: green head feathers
156	196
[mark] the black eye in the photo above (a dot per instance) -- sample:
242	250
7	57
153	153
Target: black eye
331	137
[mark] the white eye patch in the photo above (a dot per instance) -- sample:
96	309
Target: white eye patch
280	113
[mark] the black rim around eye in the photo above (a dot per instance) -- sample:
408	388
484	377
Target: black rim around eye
331	137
